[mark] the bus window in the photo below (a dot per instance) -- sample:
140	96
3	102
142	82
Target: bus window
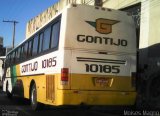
25	49
40	42
18	54
46	39
13	58
22	52
30	48
55	35
35	46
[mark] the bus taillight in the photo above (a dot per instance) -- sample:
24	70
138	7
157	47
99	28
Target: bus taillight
64	75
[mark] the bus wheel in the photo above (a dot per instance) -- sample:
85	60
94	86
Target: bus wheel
33	98
9	95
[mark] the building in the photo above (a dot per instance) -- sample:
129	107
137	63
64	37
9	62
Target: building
2	52
2	49
38	21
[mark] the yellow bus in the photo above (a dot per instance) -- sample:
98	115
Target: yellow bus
83	55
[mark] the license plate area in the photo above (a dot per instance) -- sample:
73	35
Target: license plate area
102	81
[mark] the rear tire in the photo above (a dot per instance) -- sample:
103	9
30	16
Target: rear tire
33	98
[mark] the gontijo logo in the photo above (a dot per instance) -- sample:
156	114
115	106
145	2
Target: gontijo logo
103	26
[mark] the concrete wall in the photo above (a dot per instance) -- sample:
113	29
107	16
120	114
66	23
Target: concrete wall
118	4
154	22
38	21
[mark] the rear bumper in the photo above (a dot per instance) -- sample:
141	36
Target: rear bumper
74	97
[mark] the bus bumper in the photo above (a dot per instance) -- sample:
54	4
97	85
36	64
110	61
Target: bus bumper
74	97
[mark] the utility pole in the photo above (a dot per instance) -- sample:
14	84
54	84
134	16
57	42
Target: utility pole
14	30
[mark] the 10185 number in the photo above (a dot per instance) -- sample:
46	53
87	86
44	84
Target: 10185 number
102	68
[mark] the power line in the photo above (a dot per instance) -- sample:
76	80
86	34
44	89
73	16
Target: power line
14	29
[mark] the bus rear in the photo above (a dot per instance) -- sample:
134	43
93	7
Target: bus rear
99	57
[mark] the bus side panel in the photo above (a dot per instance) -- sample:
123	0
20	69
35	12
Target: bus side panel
44	71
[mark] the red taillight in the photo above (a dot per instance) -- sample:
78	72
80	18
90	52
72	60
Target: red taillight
64	74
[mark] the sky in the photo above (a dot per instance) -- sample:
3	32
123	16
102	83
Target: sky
21	11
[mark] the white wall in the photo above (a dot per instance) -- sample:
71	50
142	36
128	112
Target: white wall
117	4
154	22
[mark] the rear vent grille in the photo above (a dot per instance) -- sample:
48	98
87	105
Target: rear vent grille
50	87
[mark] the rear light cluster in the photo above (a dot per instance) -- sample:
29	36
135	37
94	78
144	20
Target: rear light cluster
64	76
